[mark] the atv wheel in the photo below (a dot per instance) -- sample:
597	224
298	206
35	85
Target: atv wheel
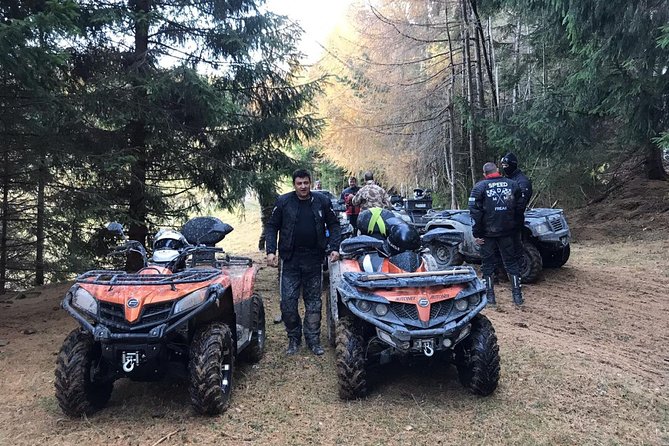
256	349
530	264
78	362
477	358
446	255
351	372
211	366
557	258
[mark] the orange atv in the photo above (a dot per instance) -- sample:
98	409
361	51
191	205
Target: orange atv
387	298
192	316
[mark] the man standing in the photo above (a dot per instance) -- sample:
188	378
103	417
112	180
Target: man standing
300	219
495	209
371	195
509	164
347	195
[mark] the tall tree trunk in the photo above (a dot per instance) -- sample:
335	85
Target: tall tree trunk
451	160
653	164
470	92
516	63
495	68
39	230
266	201
5	221
138	210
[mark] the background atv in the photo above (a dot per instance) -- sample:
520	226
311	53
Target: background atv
380	306
546	239
193	322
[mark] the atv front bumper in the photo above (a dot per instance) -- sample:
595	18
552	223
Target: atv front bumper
156	334
406	339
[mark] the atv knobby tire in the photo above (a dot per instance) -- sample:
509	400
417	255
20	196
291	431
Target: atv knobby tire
531	263
76	391
556	258
446	255
256	349
477	358
211	366
350	360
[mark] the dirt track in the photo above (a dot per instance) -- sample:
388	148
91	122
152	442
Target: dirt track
587	362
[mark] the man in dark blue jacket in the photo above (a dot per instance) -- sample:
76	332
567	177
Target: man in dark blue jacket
301	218
494	205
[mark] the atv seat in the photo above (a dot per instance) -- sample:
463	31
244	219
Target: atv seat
361	244
442	235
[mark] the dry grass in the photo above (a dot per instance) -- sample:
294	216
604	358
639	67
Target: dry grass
586	363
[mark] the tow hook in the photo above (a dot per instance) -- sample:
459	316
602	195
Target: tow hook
428	350
129	360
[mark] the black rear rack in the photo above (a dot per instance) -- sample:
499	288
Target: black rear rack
114	278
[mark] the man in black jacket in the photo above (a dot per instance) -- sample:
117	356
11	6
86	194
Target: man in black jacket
494	205
509	164
300	218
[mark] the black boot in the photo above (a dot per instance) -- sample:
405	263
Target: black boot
516	292
293	346
490	291
316	348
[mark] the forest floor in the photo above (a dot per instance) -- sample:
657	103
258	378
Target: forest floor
586	362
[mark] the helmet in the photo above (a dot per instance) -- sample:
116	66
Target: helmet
509	164
373	222
167	245
403	238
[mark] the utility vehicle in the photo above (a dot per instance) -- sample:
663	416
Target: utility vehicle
385	302
193	317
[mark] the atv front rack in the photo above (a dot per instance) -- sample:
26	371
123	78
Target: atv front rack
121	278
416	279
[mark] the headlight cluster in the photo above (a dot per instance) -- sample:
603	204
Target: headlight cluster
469	302
379	309
543	228
191	300
83	300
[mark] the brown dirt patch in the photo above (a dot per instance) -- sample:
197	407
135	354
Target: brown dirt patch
636	210
585	363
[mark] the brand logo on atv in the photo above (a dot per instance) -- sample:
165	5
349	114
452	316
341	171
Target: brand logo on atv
132	303
423	303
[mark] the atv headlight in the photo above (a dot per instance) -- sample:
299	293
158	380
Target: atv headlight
474	299
543	228
381	309
364	305
83	300
191	300
461	304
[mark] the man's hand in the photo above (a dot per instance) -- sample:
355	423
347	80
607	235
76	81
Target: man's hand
334	256
479	241
272	260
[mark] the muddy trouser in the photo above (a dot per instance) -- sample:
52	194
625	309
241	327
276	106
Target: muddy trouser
518	250
506	248
302	272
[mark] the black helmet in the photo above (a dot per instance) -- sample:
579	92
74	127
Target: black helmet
508	164
373	222
403	238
